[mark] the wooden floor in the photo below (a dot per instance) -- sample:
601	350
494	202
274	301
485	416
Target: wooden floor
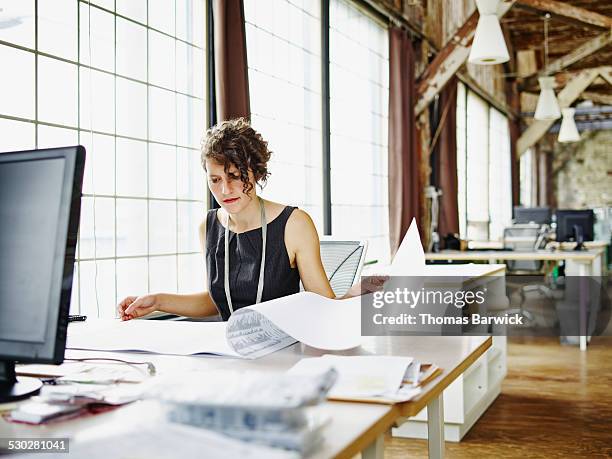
556	402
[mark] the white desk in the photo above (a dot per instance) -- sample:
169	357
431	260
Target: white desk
354	426
577	263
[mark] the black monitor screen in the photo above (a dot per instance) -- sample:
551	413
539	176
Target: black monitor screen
40	193
29	212
541	215
570	221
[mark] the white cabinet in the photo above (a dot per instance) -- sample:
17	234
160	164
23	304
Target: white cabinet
468	397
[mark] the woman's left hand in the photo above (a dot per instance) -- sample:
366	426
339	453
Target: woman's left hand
367	285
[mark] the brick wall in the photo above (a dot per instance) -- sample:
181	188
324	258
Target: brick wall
582	171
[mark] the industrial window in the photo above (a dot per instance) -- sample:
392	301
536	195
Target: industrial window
359	103
141	125
284	59
500	177
477	168
461	157
483	168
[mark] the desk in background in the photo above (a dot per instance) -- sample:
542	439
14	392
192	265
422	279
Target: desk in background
577	263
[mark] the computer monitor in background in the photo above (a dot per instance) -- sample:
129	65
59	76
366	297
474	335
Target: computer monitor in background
40	205
540	215
575	226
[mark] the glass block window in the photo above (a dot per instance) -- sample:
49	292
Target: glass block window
284	64
462	158
359	103
477	168
126	79
483	168
528	182
500	179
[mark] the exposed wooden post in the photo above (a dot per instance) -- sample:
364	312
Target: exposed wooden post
569	12
450	58
566	97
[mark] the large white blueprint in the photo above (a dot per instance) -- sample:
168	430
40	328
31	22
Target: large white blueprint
253	331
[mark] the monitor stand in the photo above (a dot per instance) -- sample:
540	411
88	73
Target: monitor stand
13	388
579	238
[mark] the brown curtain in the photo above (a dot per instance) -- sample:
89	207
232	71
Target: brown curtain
550	186
515	132
231	71
446	160
405	188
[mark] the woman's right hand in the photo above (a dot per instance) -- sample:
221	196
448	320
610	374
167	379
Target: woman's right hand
137	306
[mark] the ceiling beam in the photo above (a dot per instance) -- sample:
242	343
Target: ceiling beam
450	58
606	74
569	12
598	98
566	97
576	55
564	77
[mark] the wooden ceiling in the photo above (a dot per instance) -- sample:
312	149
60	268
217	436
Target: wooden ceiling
568	30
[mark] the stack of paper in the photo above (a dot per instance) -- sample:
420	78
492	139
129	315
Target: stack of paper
381	379
61	400
251	406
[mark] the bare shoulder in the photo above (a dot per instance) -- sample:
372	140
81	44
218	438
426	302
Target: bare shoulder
300	230
300	235
300	220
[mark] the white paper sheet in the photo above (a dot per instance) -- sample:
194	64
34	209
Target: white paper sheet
361	376
312	319
251	332
156	336
409	259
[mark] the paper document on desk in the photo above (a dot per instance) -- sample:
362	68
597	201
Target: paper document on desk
375	378
251	332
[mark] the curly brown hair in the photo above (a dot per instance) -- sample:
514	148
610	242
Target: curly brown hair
235	142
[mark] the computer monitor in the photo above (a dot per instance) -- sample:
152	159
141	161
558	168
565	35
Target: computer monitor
540	215
40	206
575	226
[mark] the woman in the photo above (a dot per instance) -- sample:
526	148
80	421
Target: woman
235	159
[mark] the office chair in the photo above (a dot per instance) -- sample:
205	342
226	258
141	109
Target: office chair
343	261
526	238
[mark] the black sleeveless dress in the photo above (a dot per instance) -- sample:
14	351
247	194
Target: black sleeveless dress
280	279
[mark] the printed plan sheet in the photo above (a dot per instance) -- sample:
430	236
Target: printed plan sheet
253	331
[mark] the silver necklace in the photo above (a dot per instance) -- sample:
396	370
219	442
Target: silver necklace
264	230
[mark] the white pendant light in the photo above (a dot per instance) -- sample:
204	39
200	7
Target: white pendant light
489	46
568	131
548	107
